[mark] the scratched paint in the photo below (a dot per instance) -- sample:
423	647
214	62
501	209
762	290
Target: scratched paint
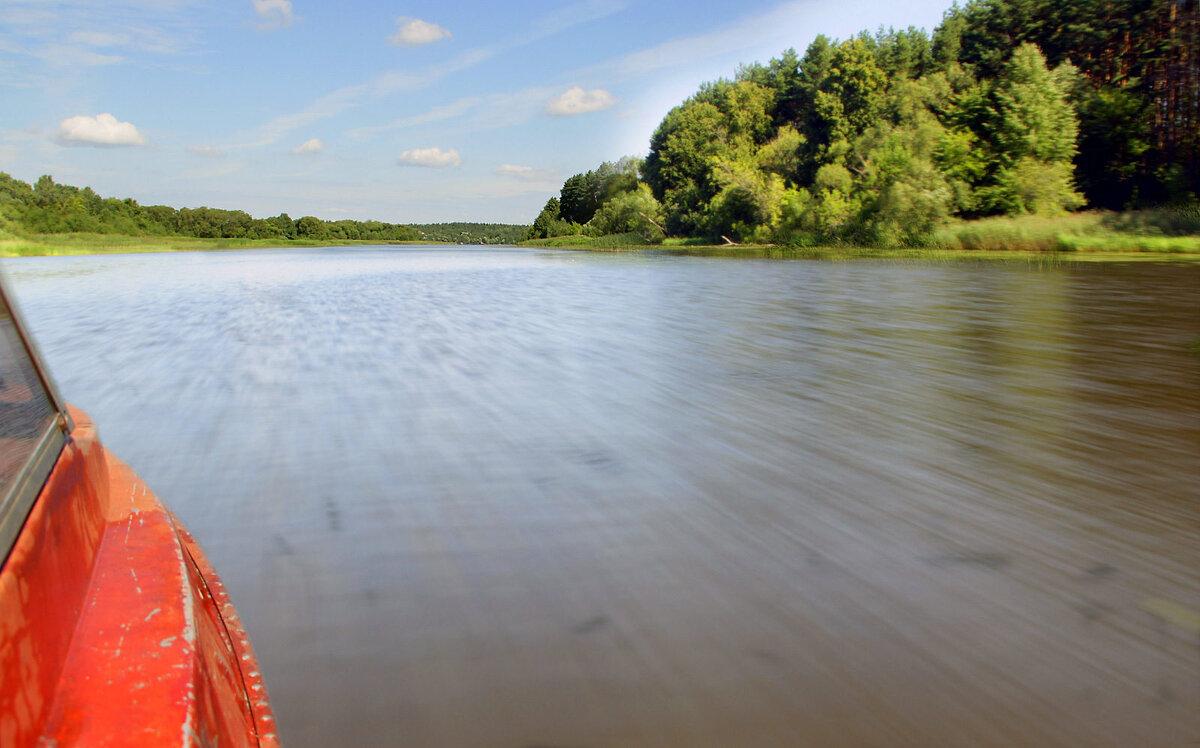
121	656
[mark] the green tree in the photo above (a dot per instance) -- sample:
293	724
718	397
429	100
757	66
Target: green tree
1033	132
548	224
577	199
583	194
750	202
904	197
850	98
678	169
634	211
904	54
1034	118
284	225
311	227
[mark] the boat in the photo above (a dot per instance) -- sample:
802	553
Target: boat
114	628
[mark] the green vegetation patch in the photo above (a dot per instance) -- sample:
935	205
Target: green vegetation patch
1157	231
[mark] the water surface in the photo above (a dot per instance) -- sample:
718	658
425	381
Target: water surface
514	498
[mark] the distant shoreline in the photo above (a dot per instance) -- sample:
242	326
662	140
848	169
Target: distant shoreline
1066	238
50	245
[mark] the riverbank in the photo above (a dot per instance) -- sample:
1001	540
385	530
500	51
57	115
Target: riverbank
1092	235
1087	236
40	245
769	252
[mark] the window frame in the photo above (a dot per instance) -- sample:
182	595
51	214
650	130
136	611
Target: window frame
26	485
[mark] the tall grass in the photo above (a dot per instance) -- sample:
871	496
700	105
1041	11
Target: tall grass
1171	231
1173	221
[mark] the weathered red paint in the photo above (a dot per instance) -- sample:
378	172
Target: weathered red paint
114	628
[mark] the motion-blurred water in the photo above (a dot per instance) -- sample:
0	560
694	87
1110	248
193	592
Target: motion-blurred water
511	497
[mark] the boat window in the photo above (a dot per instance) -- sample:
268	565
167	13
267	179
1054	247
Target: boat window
30	434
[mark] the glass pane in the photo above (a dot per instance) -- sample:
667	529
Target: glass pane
25	409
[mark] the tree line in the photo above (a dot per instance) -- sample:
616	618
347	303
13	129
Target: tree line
1008	107
470	233
47	207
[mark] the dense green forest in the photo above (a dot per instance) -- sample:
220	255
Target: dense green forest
1010	107
50	208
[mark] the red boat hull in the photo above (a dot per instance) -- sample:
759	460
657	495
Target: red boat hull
114	628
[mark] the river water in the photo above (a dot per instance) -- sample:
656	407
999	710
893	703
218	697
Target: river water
513	497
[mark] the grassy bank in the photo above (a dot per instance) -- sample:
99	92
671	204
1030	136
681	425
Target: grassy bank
772	252
1095	235
86	244
1156	231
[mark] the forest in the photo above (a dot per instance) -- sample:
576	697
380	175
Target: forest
50	208
470	233
1009	108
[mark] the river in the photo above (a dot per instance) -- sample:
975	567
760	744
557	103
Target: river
507	497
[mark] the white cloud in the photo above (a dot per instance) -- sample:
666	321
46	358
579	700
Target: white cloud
206	150
309	146
577	101
414	32
275	14
433	157
101	130
524	173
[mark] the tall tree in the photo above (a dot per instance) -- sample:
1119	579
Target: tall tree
1033	132
678	169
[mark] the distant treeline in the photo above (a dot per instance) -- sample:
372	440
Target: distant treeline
470	233
1009	107
50	208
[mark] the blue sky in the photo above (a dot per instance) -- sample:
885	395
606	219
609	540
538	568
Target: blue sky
408	112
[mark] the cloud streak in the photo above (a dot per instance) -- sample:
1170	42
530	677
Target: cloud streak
436	114
51	45
330	105
525	173
745	34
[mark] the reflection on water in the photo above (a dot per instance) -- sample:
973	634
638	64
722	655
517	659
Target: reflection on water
530	498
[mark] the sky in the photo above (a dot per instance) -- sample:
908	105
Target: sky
402	111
